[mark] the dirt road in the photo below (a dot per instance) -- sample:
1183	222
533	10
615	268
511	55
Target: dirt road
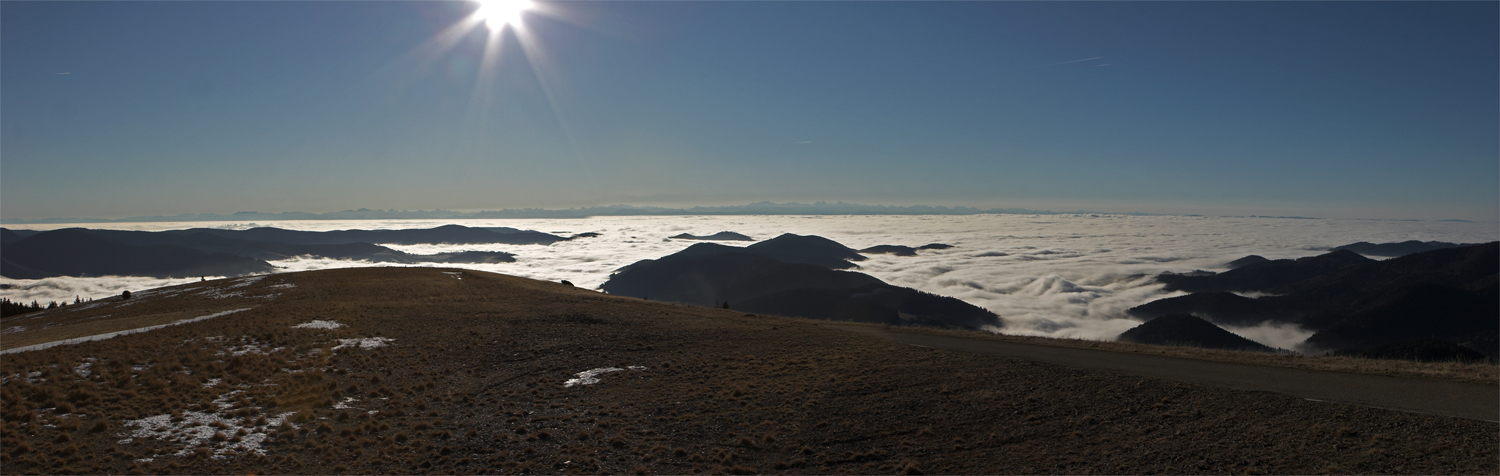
1478	402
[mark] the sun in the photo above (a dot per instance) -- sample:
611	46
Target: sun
498	13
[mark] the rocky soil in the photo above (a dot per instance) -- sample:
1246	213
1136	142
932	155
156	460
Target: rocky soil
420	370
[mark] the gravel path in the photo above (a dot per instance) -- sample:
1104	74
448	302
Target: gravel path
1436	397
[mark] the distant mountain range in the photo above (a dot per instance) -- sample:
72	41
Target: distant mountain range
759	208
720	236
1447	294
791	275
30	254
1398	249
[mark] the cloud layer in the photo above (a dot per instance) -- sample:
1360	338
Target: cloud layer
1069	276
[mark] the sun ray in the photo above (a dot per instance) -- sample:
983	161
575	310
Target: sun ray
542	71
481	96
498	19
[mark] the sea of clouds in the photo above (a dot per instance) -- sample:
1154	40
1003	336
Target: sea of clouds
1069	276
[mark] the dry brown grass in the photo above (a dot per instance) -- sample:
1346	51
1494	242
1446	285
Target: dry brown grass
1487	373
151	308
473	383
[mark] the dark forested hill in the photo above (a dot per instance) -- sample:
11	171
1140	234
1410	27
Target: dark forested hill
207	252
790	275
76	252
1186	330
1450	294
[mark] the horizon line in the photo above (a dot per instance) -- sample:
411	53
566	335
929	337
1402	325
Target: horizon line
766	208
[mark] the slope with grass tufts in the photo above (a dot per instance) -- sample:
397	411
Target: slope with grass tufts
471	376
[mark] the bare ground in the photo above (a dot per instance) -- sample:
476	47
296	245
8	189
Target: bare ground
473	381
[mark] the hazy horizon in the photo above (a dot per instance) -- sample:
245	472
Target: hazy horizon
1378	110
765	208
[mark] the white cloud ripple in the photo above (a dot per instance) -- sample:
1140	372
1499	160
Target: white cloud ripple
1069	276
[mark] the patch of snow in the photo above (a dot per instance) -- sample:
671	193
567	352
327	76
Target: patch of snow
96	337
282	286
91	305
211	382
345	404
13	329
242	282
365	343
218	294
318	324
195	429
590	377
256	349
223	401
83	369
246	346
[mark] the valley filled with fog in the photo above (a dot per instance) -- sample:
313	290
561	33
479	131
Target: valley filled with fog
1069	276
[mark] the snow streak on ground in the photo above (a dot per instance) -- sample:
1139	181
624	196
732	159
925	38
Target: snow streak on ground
111	335
364	343
1054	275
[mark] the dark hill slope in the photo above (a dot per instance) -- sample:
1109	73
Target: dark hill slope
711	279
8	235
266	250
13	270
119	252
720	236
903	250
1218	307
1466	317
809	249
1468	267
1449	294
1397	249
1263	275
897	250
877	303
758	279
450	234
472	379
77	252
1246	261
1186	330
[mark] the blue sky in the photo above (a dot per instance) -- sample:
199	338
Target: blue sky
1332	109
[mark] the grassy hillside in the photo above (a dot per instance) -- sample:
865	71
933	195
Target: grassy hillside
449	371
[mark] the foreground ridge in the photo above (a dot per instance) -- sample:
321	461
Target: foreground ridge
455	371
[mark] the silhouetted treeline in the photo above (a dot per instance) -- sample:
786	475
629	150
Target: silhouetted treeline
9	308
